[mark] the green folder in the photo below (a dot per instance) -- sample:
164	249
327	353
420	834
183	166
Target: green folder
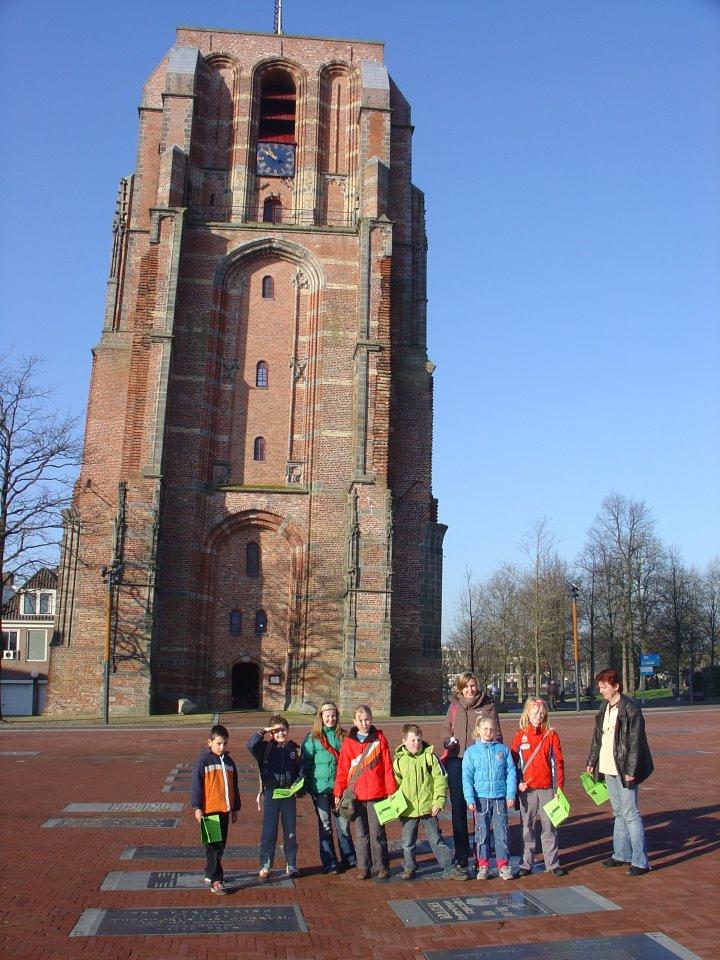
282	793
391	808
596	789
210	831
558	809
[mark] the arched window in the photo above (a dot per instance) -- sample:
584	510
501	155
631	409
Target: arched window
235	623
261	374
272	210
261	622
277	107
252	553
259	448
268	288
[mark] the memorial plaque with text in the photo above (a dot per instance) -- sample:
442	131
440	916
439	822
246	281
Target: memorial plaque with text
149	852
638	946
182	921
115	823
186	880
153	807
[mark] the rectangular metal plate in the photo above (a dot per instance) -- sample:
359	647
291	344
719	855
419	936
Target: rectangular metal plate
426	870
123	808
182	921
19	753
239	852
185	880
638	946
114	823
499	906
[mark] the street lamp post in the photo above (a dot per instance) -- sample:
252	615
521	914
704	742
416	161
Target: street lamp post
574	592
111	576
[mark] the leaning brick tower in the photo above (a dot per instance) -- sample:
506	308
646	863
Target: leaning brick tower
259	426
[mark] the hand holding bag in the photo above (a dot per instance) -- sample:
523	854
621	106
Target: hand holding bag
347	808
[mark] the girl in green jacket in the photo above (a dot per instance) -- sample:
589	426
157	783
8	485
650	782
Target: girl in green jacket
321	749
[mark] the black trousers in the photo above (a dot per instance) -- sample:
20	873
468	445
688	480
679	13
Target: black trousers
461	837
214	851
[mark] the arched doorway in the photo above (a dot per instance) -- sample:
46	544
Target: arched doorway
245	686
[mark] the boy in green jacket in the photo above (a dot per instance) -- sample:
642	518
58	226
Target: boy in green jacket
423	784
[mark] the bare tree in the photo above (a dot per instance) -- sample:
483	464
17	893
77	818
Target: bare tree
709	612
539	546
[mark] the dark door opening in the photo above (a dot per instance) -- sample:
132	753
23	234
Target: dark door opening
245	686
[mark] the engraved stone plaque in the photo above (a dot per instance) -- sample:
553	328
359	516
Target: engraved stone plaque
185	880
249	852
114	823
181	921
123	808
638	946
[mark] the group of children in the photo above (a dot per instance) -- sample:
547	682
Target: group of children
347	772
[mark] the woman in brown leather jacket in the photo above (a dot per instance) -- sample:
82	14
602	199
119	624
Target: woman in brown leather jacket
467	706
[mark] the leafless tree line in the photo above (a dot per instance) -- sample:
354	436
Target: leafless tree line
635	596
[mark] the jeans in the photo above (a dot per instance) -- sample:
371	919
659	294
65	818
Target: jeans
273	812
438	846
214	851
459	811
629	832
491	811
324	806
531	810
370	836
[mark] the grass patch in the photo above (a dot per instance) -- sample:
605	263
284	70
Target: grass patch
653	694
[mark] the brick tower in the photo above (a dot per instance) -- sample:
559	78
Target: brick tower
259	426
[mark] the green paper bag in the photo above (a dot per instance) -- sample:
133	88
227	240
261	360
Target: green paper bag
391	808
596	789
557	809
210	831
282	793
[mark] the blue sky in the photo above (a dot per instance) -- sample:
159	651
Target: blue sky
569	155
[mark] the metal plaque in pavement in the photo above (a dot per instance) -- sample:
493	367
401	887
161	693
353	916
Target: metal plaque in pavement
115	823
186	880
19	753
512	905
150	852
637	946
123	808
182	921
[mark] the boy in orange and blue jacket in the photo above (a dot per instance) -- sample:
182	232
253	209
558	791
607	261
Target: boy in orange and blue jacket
214	790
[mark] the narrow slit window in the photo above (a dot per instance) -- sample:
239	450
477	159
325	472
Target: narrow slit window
268	288
235	623
261	622
261	374
252	552
272	210
259	449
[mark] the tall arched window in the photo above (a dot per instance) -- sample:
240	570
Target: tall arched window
235	623
277	107
268	288
272	210
259	448
261	622
261	374
252	553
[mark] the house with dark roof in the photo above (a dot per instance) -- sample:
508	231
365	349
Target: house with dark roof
27	630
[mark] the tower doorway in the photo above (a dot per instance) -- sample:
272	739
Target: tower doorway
245	686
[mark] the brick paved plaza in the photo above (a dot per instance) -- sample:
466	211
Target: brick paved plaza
51	875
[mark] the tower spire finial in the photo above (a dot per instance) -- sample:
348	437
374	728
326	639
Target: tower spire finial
278	16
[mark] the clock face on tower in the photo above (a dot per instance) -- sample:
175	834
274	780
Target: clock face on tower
276	159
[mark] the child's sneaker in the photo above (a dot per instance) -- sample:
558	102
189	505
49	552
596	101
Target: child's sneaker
482	873
407	874
455	872
207	879
264	873
292	871
506	872
383	873
217	886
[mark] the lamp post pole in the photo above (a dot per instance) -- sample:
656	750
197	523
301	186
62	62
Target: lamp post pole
574	591
111	575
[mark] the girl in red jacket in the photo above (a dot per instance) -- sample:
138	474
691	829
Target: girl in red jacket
366	745
536	751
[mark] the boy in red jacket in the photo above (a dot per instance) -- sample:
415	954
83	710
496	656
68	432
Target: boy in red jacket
367	746
536	751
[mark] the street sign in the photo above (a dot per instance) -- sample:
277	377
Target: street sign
649	659
646	670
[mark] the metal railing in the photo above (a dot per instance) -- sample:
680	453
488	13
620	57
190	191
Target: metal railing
217	213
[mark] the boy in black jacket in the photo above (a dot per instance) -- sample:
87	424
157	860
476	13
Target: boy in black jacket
281	766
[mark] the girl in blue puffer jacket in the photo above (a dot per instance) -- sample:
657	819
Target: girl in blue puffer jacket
489	786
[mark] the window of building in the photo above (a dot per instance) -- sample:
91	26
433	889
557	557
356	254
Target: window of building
235	623
259	449
37	645
272	210
10	640
261	374
277	107
268	288
253	559
36	602
261	622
